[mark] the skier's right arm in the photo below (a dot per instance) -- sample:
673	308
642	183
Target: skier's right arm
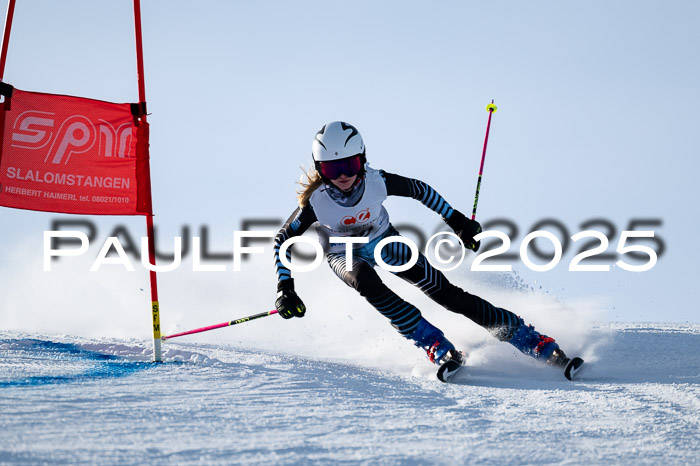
288	304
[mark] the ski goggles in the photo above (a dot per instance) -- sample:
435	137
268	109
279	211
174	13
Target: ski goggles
349	167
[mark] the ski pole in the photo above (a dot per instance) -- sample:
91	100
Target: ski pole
223	324
491	108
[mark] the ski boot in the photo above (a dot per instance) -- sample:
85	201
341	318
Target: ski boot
432	340
529	341
438	349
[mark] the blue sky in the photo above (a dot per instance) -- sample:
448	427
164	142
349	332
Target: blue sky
597	115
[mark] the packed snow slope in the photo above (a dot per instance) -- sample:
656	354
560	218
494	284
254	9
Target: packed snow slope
83	400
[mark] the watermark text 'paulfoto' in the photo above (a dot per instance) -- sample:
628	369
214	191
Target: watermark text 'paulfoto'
433	251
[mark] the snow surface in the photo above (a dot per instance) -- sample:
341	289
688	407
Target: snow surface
78	400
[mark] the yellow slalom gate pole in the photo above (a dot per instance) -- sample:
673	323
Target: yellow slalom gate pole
157	340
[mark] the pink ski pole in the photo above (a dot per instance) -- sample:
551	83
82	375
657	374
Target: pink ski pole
224	324
491	109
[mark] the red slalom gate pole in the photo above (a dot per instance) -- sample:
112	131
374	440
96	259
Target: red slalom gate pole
491	108
223	324
6	36
155	308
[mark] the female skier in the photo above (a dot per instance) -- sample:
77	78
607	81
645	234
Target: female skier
344	195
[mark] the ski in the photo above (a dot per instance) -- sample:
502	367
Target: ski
570	365
451	367
454	366
572	368
448	370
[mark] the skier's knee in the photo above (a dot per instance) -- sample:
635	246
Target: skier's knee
450	296
365	280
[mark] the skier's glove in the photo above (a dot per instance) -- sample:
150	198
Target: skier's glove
465	228
288	304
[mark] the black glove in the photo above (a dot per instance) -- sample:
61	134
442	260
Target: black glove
465	228
288	304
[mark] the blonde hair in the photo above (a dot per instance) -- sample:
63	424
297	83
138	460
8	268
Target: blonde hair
309	181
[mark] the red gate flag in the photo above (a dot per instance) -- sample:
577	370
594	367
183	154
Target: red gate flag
72	155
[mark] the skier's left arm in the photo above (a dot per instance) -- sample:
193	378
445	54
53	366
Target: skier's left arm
465	228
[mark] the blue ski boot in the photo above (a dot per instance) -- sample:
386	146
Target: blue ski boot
433	341
531	342
542	347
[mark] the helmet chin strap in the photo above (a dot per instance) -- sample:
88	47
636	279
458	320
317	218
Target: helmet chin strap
360	177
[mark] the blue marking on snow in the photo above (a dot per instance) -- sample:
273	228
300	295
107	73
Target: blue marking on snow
54	355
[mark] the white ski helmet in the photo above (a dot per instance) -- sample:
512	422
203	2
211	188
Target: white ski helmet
337	141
